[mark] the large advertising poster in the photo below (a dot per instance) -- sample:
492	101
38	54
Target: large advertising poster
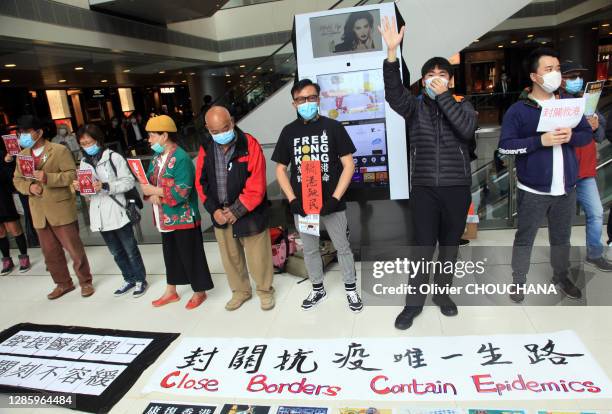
354	32
343	52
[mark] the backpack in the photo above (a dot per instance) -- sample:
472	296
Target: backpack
132	195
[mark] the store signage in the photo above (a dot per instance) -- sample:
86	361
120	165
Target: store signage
475	368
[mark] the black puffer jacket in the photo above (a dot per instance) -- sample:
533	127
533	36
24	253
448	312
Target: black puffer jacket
439	131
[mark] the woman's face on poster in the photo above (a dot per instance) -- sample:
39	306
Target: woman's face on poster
362	29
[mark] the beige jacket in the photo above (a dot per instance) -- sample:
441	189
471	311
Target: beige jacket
57	204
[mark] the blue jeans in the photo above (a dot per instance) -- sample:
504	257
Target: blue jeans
587	195
124	248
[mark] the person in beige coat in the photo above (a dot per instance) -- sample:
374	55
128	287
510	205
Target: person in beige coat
53	206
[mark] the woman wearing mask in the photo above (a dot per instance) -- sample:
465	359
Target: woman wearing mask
357	33
64	137
9	219
175	208
112	179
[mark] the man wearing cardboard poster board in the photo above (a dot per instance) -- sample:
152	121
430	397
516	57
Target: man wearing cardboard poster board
542	134
441	127
587	192
312	137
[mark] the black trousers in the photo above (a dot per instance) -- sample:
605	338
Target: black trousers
439	216
185	260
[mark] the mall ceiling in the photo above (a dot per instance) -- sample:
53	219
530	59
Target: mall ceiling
159	11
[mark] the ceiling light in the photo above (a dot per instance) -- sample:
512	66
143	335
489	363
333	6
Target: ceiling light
605	25
571	36
161	72
595	28
78	68
126	70
530	36
183	81
243	66
477	40
513	41
62	80
227	75
229	81
180	72
191	73
500	46
242	76
259	68
5	80
9	65
253	76
104	81
543	43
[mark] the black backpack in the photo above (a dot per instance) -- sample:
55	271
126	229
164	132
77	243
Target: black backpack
132	195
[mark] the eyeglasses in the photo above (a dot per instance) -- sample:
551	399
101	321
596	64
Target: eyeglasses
302	99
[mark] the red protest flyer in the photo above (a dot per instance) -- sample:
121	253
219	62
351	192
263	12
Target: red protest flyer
138	170
11	142
26	165
312	187
86	180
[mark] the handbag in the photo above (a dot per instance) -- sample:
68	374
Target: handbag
131	210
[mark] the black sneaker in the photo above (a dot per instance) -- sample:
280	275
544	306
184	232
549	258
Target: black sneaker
406	316
463	242
600	263
314	298
568	288
354	301
140	289
125	288
446	305
517	296
7	266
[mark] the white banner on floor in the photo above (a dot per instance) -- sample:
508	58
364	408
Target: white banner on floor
495	367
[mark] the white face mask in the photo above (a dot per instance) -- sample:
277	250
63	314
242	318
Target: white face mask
552	81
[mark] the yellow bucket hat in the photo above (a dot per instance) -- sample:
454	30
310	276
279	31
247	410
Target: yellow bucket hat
161	123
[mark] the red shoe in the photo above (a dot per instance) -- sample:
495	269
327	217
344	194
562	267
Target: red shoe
164	301
195	302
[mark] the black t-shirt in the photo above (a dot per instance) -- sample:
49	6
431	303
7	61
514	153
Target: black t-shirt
325	140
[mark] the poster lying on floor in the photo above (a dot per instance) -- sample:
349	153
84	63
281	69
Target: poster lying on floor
469	368
94	366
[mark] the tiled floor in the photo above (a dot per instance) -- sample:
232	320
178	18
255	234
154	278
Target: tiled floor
22	299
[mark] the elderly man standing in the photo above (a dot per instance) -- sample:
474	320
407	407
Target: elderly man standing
53	206
231	181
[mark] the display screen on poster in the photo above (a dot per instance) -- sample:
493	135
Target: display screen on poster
357	99
354	32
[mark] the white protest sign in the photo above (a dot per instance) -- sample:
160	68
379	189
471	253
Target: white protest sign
475	368
309	224
560	113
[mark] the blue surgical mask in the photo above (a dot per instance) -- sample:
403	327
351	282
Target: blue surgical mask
574	85
92	150
224	137
26	140
308	110
158	148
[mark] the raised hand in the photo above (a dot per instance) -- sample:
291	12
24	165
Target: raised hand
388	31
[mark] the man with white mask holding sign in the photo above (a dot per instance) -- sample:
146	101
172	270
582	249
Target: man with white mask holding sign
546	169
315	138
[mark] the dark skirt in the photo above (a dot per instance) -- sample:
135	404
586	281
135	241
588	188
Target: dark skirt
185	260
8	212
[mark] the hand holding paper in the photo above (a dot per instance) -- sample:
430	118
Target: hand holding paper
560	113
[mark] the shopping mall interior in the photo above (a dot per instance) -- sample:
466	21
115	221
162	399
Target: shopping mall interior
106	62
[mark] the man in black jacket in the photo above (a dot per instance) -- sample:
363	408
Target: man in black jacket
440	127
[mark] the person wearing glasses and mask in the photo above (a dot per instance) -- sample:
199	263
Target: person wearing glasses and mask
315	137
231	181
53	206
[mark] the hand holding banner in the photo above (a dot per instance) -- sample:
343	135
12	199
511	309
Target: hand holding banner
11	142
86	180
138	170
26	165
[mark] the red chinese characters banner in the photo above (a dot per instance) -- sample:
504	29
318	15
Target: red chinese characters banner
476	368
312	188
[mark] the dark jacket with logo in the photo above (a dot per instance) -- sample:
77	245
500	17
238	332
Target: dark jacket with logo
440	132
534	162
246	181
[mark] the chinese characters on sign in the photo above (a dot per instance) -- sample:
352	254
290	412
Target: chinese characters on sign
86	180
497	367
138	170
560	113
11	142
